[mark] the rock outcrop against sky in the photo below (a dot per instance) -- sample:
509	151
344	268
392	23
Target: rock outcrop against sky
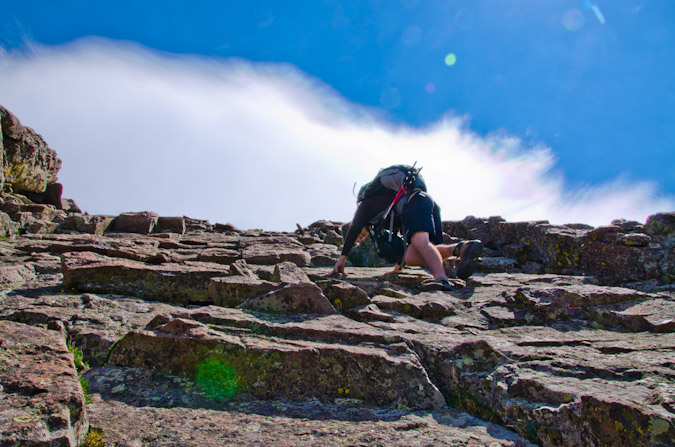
29	164
166	330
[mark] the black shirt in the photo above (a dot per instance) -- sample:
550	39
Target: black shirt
367	210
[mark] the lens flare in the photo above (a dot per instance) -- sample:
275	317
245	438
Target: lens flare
599	14
573	20
596	10
450	59
430	87
217	378
412	36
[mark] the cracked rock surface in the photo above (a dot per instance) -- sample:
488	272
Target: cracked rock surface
150	330
237	338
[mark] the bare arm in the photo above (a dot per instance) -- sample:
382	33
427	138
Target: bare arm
339	267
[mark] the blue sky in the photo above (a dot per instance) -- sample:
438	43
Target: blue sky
558	109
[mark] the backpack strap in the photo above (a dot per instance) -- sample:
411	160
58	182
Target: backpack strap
403	202
391	234
405	246
378	223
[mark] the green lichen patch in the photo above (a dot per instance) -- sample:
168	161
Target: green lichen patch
217	378
94	438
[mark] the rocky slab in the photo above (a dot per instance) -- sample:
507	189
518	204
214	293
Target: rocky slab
291	424
92	323
225	364
560	360
41	401
273	250
174	283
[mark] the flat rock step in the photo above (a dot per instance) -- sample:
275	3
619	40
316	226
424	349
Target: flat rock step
172	283
226	363
293	424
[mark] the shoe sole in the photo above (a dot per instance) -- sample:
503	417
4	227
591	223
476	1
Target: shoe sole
474	251
436	287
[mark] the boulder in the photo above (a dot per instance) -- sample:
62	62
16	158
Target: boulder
322	255
171	224
557	248
197	224
622	253
322	231
301	298
629	226
174	283
342	295
143	222
241	268
35	226
226	228
550	303
604	253
289	273
85	223
272	250
29	164
69	206
333	238
661	224
495	264
41	400
8	227
231	291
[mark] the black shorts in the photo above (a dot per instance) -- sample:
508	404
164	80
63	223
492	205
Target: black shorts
423	214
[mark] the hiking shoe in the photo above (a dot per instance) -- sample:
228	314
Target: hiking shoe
468	258
440	284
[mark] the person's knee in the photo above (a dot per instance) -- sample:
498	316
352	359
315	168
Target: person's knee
421	238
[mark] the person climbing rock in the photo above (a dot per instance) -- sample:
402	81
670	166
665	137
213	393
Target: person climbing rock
419	218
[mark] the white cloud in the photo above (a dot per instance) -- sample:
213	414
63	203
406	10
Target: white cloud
266	146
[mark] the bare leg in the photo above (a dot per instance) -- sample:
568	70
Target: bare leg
416	259
423	252
446	250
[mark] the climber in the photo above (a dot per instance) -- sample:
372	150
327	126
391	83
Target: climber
420	219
